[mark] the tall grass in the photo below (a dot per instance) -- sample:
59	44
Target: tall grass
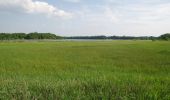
118	70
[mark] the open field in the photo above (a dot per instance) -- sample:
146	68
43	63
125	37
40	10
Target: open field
118	70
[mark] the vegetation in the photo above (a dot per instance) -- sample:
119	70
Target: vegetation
35	35
165	37
120	70
113	37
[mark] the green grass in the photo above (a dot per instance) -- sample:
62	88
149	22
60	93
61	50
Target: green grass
117	70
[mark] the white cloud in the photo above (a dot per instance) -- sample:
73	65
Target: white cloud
113	16
101	14
150	13
139	13
30	6
73	1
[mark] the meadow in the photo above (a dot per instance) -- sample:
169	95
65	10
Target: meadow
85	70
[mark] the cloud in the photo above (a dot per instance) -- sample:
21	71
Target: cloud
97	14
30	6
150	13
113	16
139	13
73	1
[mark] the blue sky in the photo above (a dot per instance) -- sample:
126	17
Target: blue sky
86	17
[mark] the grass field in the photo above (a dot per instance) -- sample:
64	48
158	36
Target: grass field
102	70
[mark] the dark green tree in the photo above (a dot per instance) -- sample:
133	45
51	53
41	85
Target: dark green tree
165	37
34	35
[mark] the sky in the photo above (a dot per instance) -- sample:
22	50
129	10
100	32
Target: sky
86	17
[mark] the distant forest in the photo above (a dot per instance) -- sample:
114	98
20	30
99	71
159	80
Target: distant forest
113	37
162	37
36	35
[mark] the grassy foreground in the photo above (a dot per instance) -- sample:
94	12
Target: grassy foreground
117	70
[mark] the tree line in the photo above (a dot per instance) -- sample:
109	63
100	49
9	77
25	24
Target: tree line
113	37
34	35
162	37
165	37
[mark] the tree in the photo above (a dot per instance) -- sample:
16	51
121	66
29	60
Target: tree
165	37
34	35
